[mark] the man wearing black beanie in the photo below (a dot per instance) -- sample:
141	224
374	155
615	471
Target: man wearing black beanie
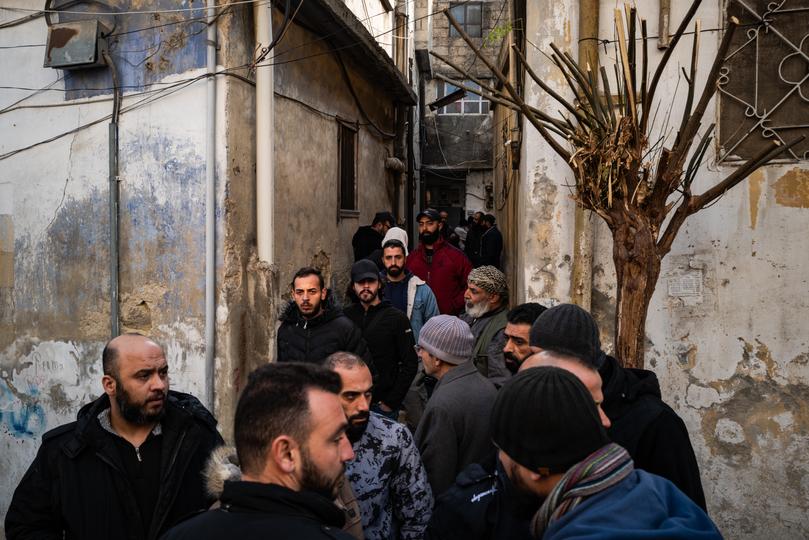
552	443
655	436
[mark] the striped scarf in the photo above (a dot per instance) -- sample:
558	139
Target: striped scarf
599	471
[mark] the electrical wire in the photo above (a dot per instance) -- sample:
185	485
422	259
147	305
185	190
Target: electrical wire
41	12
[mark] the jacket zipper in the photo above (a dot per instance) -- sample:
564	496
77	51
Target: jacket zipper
137	454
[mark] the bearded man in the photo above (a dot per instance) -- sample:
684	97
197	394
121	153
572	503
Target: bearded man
387	474
129	467
486	301
440	264
290	434
389	336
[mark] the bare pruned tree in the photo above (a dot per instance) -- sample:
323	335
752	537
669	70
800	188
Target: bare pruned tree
642	190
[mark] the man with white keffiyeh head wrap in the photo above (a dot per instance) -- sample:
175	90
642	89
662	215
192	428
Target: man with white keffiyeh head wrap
486	300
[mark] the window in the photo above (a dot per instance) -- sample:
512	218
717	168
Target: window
469	17
348	167
469	104
764	82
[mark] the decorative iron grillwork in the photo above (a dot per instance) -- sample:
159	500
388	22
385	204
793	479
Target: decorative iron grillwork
764	84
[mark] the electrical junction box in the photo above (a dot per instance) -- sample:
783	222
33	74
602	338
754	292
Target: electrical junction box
76	45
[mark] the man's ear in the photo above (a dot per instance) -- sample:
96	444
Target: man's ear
323	293
109	385
285	453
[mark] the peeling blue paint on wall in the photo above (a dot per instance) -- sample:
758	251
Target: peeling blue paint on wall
21	418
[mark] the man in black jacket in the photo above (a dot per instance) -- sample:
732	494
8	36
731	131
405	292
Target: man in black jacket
131	465
369	237
292	447
389	336
313	325
491	243
654	435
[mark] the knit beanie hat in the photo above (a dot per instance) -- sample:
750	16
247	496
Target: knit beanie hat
395	233
490	279
447	338
568	329
546	420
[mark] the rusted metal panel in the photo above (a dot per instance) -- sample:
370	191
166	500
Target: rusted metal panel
75	45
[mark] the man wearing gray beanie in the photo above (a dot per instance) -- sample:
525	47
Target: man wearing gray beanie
453	431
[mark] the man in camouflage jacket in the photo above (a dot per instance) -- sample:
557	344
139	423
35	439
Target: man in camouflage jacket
386	474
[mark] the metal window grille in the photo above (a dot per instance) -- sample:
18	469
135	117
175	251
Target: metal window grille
348	167
764	83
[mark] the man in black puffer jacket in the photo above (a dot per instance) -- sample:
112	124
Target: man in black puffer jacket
389	336
129	468
313	326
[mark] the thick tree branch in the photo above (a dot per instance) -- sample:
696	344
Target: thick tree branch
663	61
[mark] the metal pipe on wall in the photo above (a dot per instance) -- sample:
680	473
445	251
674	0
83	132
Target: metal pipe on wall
581	279
265	174
114	198
210	207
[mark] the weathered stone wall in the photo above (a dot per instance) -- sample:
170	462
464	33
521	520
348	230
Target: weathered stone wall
726	333
54	279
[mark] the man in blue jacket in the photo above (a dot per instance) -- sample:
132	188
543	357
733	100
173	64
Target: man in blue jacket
589	486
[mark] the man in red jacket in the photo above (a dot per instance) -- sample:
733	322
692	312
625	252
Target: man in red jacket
443	266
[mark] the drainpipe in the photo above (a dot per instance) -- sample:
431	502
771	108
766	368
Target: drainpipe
114	197
265	175
581	282
210	209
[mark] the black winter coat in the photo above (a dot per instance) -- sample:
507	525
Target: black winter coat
251	511
491	247
312	340
650	430
365	241
76	487
390	341
482	505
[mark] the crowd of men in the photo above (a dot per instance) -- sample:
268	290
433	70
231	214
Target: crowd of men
429	407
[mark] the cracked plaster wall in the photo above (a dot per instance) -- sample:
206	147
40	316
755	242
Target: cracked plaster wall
54	266
726	332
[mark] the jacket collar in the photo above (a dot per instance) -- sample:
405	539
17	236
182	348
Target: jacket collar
439	244
458	372
275	499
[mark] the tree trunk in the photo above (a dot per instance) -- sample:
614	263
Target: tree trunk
637	267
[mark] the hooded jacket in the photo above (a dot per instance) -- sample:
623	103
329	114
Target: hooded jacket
650	430
390	342
76	488
312	340
254	511
446	274
223	468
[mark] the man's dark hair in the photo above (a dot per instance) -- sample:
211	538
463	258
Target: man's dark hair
308	271
109	357
525	313
275	402
393	244
489	218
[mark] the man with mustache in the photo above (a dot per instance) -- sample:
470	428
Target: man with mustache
441	265
389	336
290	434
313	324
386	474
517	334
129	467
410	294
486	301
